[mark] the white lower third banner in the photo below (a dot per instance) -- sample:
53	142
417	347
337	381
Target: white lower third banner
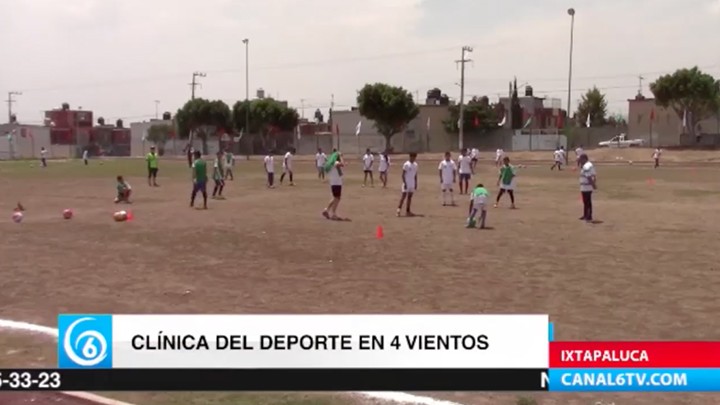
303	341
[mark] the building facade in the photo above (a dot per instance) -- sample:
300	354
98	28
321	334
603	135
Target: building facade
660	126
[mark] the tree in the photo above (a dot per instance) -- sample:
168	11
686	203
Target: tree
479	115
592	103
516	118
159	135
390	107
203	118
267	117
688	91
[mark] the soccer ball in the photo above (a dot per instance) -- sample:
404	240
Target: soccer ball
67	214
120	216
630	162
17	217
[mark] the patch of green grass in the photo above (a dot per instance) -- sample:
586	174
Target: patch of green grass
696	193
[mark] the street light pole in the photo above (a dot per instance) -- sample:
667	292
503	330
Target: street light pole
571	13
10	102
246	41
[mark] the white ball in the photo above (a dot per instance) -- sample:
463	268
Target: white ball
630	162
17	216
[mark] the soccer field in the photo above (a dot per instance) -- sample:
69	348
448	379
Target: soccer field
647	271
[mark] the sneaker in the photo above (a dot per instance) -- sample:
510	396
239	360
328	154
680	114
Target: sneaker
398	212
326	215
494	205
582	218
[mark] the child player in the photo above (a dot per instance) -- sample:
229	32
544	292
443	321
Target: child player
269	166
499	155
506	181
447	171
368	160
199	177
123	191
152	166
85	156
43	156
478	204
465	171
656	157
320	159
229	164
333	166
383	168
474	155
409	184
287	166
558	156
218	177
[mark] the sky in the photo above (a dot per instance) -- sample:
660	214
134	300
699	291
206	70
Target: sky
124	58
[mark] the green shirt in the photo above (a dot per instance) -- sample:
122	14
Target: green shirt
152	160
480	191
218	169
507	173
199	170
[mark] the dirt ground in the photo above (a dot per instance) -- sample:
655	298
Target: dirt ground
649	271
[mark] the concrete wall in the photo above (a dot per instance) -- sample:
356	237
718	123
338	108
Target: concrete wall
667	125
28	147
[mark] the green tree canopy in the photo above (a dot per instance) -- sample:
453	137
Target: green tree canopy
479	115
592	103
266	117
159	135
199	115
390	107
688	90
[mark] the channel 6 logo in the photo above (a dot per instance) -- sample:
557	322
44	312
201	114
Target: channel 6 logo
85	341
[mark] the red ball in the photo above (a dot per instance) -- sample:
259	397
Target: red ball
67	214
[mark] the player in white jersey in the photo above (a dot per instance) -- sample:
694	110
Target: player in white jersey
384	167
579	151
448	175
409	185
656	157
320	159
288	166
465	170
474	156
558	159
368	160
269	167
499	154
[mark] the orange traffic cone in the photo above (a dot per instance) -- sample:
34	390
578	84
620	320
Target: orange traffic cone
651	182
129	216
379	232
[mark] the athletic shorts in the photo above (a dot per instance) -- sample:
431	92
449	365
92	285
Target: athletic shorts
199	186
320	169
480	207
408	189
464	176
474	160
336	191
507	187
446	186
152	172
367	171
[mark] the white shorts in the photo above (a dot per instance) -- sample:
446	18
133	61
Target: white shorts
558	161
409	189
446	186
507	187
480	207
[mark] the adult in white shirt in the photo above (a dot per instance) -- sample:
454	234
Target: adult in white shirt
336	181
447	171
384	167
588	184
320	159
287	166
499	154
409	184
579	151
269	166
474	155
465	171
85	156
368	160
558	159
656	157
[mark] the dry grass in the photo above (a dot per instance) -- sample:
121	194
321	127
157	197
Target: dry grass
649	271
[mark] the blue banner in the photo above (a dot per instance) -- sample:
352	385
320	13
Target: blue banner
635	380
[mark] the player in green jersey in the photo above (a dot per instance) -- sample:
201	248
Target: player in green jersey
506	182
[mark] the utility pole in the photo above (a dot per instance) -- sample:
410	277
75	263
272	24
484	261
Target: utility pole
195	83
10	102
246	41
463	60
